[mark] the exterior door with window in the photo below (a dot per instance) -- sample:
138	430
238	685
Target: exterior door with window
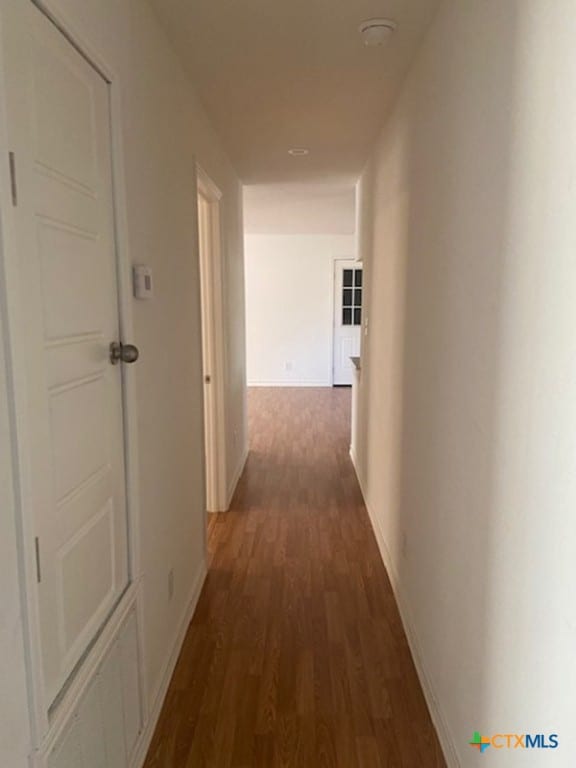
348	291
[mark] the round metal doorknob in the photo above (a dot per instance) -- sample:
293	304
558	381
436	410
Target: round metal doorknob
123	353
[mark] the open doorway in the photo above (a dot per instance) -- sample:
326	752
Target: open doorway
295	235
210	258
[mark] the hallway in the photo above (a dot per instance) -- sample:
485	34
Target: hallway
296	655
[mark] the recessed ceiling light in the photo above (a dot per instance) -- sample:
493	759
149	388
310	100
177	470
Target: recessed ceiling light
298	151
377	32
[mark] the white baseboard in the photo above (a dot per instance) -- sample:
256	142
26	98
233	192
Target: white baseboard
288	384
355	465
444	734
236	477
143	745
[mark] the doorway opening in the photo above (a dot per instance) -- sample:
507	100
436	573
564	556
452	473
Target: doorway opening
213	371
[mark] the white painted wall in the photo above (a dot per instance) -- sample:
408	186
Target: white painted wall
165	132
466	445
299	209
289	307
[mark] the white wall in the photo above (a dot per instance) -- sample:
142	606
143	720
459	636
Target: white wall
164	132
467	423
299	209
289	307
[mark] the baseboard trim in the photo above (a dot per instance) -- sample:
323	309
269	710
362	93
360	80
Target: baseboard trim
141	750
444	734
236	477
355	465
288	384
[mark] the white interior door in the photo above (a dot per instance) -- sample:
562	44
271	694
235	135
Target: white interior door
347	318
208	361
213	343
59	132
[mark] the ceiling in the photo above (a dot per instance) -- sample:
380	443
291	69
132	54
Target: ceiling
299	209
276	74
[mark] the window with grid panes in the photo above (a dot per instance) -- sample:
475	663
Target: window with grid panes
352	297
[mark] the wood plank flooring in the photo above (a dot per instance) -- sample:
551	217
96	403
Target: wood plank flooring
296	656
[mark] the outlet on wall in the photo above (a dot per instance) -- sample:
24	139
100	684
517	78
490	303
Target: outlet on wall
171	584
288	365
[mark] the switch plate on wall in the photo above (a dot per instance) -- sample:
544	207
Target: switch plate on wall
142	280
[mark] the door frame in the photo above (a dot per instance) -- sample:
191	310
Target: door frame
46	727
214	343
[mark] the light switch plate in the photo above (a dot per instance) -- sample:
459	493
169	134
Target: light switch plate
143	283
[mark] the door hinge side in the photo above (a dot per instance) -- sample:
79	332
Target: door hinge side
13	184
38	570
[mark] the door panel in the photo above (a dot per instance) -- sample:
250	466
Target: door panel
59	129
347	318
65	138
89	551
73	284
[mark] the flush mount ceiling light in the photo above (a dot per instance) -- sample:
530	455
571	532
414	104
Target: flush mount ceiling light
377	32
298	151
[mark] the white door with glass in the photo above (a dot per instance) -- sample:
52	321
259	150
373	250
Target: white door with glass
347	318
67	318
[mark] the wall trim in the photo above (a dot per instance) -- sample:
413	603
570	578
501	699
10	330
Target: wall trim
445	737
141	749
318	383
354	461
236	476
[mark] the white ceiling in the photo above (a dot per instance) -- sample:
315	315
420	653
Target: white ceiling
275	74
296	209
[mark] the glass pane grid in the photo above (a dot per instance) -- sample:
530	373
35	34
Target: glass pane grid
352	297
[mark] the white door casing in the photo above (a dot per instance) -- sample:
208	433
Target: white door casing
59	131
348	293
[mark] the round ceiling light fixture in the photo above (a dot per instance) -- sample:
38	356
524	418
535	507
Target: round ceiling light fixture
298	152
377	32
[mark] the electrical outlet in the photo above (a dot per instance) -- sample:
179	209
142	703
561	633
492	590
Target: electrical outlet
288	365
171	584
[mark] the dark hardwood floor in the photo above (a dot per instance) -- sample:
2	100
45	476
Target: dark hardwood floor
296	656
